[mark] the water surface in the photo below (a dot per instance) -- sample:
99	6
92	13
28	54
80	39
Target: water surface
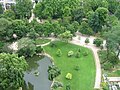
41	81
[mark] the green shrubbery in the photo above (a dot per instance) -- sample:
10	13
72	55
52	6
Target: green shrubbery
53	72
70	53
69	76
57	84
58	53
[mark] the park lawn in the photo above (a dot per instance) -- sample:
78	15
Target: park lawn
81	80
39	41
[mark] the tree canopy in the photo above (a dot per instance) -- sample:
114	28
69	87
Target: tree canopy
11	71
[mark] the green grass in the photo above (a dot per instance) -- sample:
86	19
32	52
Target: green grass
84	78
39	41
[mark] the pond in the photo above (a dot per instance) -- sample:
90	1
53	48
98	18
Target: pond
40	82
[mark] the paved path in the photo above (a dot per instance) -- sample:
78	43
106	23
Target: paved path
95	50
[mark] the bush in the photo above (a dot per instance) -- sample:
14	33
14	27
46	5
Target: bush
87	40
57	84
85	53
70	53
39	49
59	53
27	51
69	76
53	72
68	87
98	42
79	50
77	55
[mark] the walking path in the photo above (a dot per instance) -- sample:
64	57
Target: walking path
95	50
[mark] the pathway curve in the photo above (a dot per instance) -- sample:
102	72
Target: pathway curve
95	50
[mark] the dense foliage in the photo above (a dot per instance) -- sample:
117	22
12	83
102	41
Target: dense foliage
53	72
11	71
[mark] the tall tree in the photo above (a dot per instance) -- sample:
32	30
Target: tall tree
3	26
117	13
94	4
112	6
78	14
97	19
23	8
113	39
1	9
85	29
9	14
12	70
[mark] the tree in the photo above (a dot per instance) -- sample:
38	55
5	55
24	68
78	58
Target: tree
26	47
112	6
17	27
97	19
9	14
117	13
55	8
98	42
85	29
32	34
94	4
23	8
112	20
78	14
113	39
11	71
66	12
66	36
1	9
53	72
3	26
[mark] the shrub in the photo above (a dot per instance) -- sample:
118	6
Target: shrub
28	50
69	76
57	84
79	50
59	53
70	53
53	71
87	40
98	42
68	87
104	86
39	49
85	53
77	55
